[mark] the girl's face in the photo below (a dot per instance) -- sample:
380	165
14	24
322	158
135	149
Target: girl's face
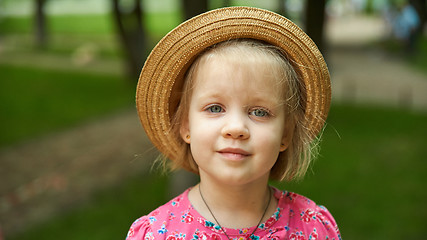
236	121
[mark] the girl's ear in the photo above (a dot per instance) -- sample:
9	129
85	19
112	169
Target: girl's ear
285	144
185	132
287	137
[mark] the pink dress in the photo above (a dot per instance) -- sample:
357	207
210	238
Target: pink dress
296	217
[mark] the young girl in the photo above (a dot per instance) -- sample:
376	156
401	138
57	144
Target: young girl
237	96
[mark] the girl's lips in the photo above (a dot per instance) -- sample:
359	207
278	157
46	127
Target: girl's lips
234	153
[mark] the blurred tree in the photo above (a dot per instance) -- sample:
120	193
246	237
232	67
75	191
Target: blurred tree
282	7
315	18
421	7
40	23
226	3
128	17
195	7
369	6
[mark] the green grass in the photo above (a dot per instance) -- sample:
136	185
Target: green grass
159	24
371	173
68	33
36	101
61	24
108	215
100	24
15	25
420	59
371	176
417	60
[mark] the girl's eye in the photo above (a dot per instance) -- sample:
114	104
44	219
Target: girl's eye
260	112
215	109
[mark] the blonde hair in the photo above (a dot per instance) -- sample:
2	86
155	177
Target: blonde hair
295	160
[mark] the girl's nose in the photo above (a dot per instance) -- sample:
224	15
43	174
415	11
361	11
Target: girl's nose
235	127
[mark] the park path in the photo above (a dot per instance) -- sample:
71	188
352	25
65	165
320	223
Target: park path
362	73
44	175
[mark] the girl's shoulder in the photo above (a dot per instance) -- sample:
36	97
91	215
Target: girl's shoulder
304	217
160	219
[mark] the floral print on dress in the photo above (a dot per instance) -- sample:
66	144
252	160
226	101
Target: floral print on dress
313	235
176	236
296	218
162	229
202	235
187	218
308	215
297	236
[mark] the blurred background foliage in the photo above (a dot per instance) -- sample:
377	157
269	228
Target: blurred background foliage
67	62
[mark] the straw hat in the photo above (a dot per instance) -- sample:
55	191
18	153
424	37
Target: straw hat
162	76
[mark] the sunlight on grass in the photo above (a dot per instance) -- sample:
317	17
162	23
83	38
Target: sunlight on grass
100	24
71	24
160	24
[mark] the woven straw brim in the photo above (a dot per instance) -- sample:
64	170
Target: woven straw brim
163	72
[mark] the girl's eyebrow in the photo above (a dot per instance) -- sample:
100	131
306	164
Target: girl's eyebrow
266	100
210	97
214	95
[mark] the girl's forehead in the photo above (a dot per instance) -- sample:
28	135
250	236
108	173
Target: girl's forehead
231	75
264	68
240	52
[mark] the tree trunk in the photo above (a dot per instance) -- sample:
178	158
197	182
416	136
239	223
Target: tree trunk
132	36
315	18
282	7
226	3
421	7
194	7
40	24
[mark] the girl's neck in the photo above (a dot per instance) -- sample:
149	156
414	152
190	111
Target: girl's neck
233	206
235	197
